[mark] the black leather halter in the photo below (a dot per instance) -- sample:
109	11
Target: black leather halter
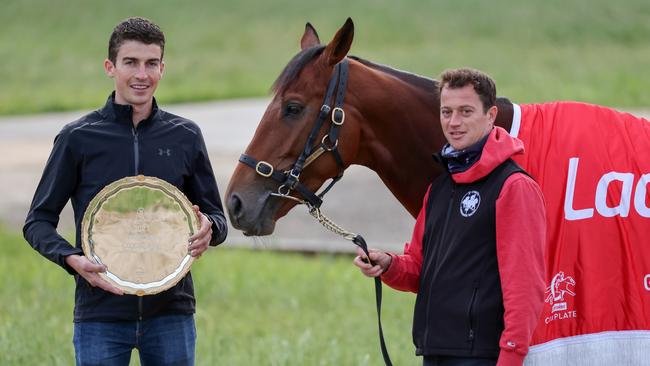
290	180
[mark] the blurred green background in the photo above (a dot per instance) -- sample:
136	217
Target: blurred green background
257	307
254	307
589	50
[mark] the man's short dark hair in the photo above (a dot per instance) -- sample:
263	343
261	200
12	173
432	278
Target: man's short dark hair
135	29
482	83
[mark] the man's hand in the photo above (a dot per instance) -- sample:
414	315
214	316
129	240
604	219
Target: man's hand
380	260
200	241
90	272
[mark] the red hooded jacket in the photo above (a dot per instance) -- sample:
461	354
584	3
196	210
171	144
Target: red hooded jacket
520	238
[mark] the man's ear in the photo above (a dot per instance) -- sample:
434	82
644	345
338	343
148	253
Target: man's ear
109	67
492	113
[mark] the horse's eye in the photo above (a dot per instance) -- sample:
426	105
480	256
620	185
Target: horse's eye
292	109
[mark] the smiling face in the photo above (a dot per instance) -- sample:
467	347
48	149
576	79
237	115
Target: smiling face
462	116
137	69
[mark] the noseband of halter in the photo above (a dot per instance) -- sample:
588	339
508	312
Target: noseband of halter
290	180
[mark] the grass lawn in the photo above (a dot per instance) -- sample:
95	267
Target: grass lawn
589	50
254	308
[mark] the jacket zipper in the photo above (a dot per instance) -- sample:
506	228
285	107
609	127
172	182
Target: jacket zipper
136	157
136	150
444	231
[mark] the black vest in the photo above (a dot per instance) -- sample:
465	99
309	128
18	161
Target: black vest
459	306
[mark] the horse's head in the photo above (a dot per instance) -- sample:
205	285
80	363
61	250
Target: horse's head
254	197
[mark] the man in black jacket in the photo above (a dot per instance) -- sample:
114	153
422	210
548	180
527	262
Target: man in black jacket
129	136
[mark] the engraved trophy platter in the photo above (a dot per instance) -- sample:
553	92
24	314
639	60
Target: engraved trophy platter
139	228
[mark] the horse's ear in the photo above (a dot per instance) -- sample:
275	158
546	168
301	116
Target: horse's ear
309	38
339	47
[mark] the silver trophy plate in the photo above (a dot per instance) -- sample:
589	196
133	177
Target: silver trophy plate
139	228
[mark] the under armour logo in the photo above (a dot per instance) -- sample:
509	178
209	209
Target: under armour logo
163	152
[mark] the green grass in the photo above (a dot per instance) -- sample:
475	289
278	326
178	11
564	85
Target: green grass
589	50
254	308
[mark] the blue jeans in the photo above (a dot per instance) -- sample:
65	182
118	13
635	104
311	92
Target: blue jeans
458	361
164	340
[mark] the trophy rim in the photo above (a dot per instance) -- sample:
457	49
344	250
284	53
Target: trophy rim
111	190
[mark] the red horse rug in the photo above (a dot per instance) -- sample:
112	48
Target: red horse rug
593	165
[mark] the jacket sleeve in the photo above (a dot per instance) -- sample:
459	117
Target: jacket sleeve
521	240
55	188
201	189
404	271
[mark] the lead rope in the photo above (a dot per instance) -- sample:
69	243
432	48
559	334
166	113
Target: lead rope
361	243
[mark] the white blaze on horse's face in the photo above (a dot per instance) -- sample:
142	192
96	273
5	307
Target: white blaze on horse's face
463	120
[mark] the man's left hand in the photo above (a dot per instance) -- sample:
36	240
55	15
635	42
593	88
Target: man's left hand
200	241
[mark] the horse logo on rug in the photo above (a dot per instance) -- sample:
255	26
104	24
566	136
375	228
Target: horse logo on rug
469	204
560	285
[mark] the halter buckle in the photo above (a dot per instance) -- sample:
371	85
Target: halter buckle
266	165
338	116
296	176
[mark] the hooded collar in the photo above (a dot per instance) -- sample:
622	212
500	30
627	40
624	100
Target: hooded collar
123	113
498	148
460	160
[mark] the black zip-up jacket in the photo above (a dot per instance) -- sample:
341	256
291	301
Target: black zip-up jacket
100	148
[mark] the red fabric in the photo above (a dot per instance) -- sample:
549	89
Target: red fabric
521	234
520	221
404	271
593	165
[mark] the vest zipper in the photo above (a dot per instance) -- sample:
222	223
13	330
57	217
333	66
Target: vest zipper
136	150
470	308
444	231
140	308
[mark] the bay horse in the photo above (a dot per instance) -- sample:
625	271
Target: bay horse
591	166
392	126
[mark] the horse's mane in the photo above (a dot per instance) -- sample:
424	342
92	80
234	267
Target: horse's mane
421	82
300	60
293	68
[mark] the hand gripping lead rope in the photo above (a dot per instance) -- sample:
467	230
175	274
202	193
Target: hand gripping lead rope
359	241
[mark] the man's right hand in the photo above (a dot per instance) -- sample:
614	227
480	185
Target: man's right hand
90	272
380	260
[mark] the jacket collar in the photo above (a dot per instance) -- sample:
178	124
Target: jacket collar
457	161
499	147
123	113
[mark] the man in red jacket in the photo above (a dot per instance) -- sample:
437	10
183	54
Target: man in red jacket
476	258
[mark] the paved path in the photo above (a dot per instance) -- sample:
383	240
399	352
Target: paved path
228	126
25	143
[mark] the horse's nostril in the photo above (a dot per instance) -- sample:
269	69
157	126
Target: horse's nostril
234	205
